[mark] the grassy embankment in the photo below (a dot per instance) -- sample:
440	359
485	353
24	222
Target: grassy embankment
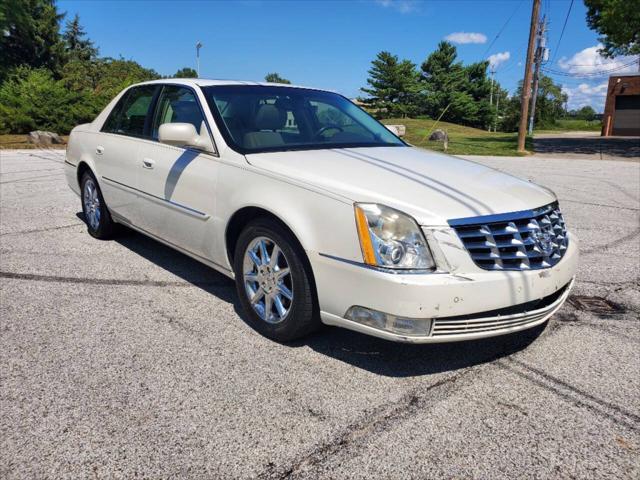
22	141
462	140
572	125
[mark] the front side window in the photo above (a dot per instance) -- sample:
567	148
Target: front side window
177	105
130	114
260	118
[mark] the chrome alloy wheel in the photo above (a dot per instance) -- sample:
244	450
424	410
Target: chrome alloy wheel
267	280
91	204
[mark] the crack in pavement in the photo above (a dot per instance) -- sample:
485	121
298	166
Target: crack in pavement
39	230
30	179
635	281
600	248
572	394
107	281
603	328
48	158
384	415
617	207
377	419
31	171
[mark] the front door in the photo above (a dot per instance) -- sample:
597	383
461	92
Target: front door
177	185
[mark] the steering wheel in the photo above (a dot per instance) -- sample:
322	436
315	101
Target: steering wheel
327	127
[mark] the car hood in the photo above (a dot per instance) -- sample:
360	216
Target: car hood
430	186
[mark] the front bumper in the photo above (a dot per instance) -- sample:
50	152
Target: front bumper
440	296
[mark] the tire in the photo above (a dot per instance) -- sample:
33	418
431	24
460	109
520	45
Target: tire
270	280
96	214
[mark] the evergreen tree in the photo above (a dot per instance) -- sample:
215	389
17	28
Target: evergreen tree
457	92
275	78
394	87
30	35
186	72
76	45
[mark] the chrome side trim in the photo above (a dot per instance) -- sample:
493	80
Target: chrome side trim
162	201
210	263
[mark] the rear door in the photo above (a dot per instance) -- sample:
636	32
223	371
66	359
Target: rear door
177	184
117	149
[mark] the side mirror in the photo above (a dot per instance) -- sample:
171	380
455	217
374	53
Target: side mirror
185	135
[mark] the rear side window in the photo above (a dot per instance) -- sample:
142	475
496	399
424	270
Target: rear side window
177	105
129	116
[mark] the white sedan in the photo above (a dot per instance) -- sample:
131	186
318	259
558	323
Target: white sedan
321	214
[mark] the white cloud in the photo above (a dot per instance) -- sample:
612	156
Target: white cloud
497	58
403	6
589	61
586	94
466	37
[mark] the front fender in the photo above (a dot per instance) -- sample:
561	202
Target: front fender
322	222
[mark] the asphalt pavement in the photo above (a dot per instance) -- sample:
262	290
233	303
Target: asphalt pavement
123	359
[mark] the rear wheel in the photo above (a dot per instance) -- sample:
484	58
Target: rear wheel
99	222
274	282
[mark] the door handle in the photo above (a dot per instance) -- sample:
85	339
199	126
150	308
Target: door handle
147	163
99	149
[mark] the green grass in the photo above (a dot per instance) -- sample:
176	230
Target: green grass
572	125
462	140
22	141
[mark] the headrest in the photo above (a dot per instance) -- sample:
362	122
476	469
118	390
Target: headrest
186	112
270	117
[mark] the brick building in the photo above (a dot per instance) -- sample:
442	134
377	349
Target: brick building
622	107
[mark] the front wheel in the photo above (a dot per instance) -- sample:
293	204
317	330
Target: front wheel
274	282
96	215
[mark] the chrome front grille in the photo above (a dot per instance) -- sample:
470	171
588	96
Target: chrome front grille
525	240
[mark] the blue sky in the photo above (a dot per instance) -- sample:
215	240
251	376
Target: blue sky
330	44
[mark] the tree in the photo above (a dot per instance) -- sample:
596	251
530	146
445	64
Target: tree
186	72
32	99
275	78
76	45
457	92
549	106
97	82
586	113
618	21
393	85
30	35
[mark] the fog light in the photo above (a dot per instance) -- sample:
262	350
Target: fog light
388	322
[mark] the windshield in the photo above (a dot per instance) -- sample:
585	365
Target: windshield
259	118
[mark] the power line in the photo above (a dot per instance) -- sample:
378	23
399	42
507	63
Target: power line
502	29
562	32
590	74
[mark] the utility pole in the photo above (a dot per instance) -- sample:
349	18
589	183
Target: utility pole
495	125
541	55
493	71
526	84
198	47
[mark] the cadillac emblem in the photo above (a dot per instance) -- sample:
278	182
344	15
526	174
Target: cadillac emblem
543	240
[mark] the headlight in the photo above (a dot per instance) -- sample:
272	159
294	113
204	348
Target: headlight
391	239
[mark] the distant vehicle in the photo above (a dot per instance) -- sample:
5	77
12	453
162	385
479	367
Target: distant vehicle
321	214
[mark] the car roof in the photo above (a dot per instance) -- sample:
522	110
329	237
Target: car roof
205	82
